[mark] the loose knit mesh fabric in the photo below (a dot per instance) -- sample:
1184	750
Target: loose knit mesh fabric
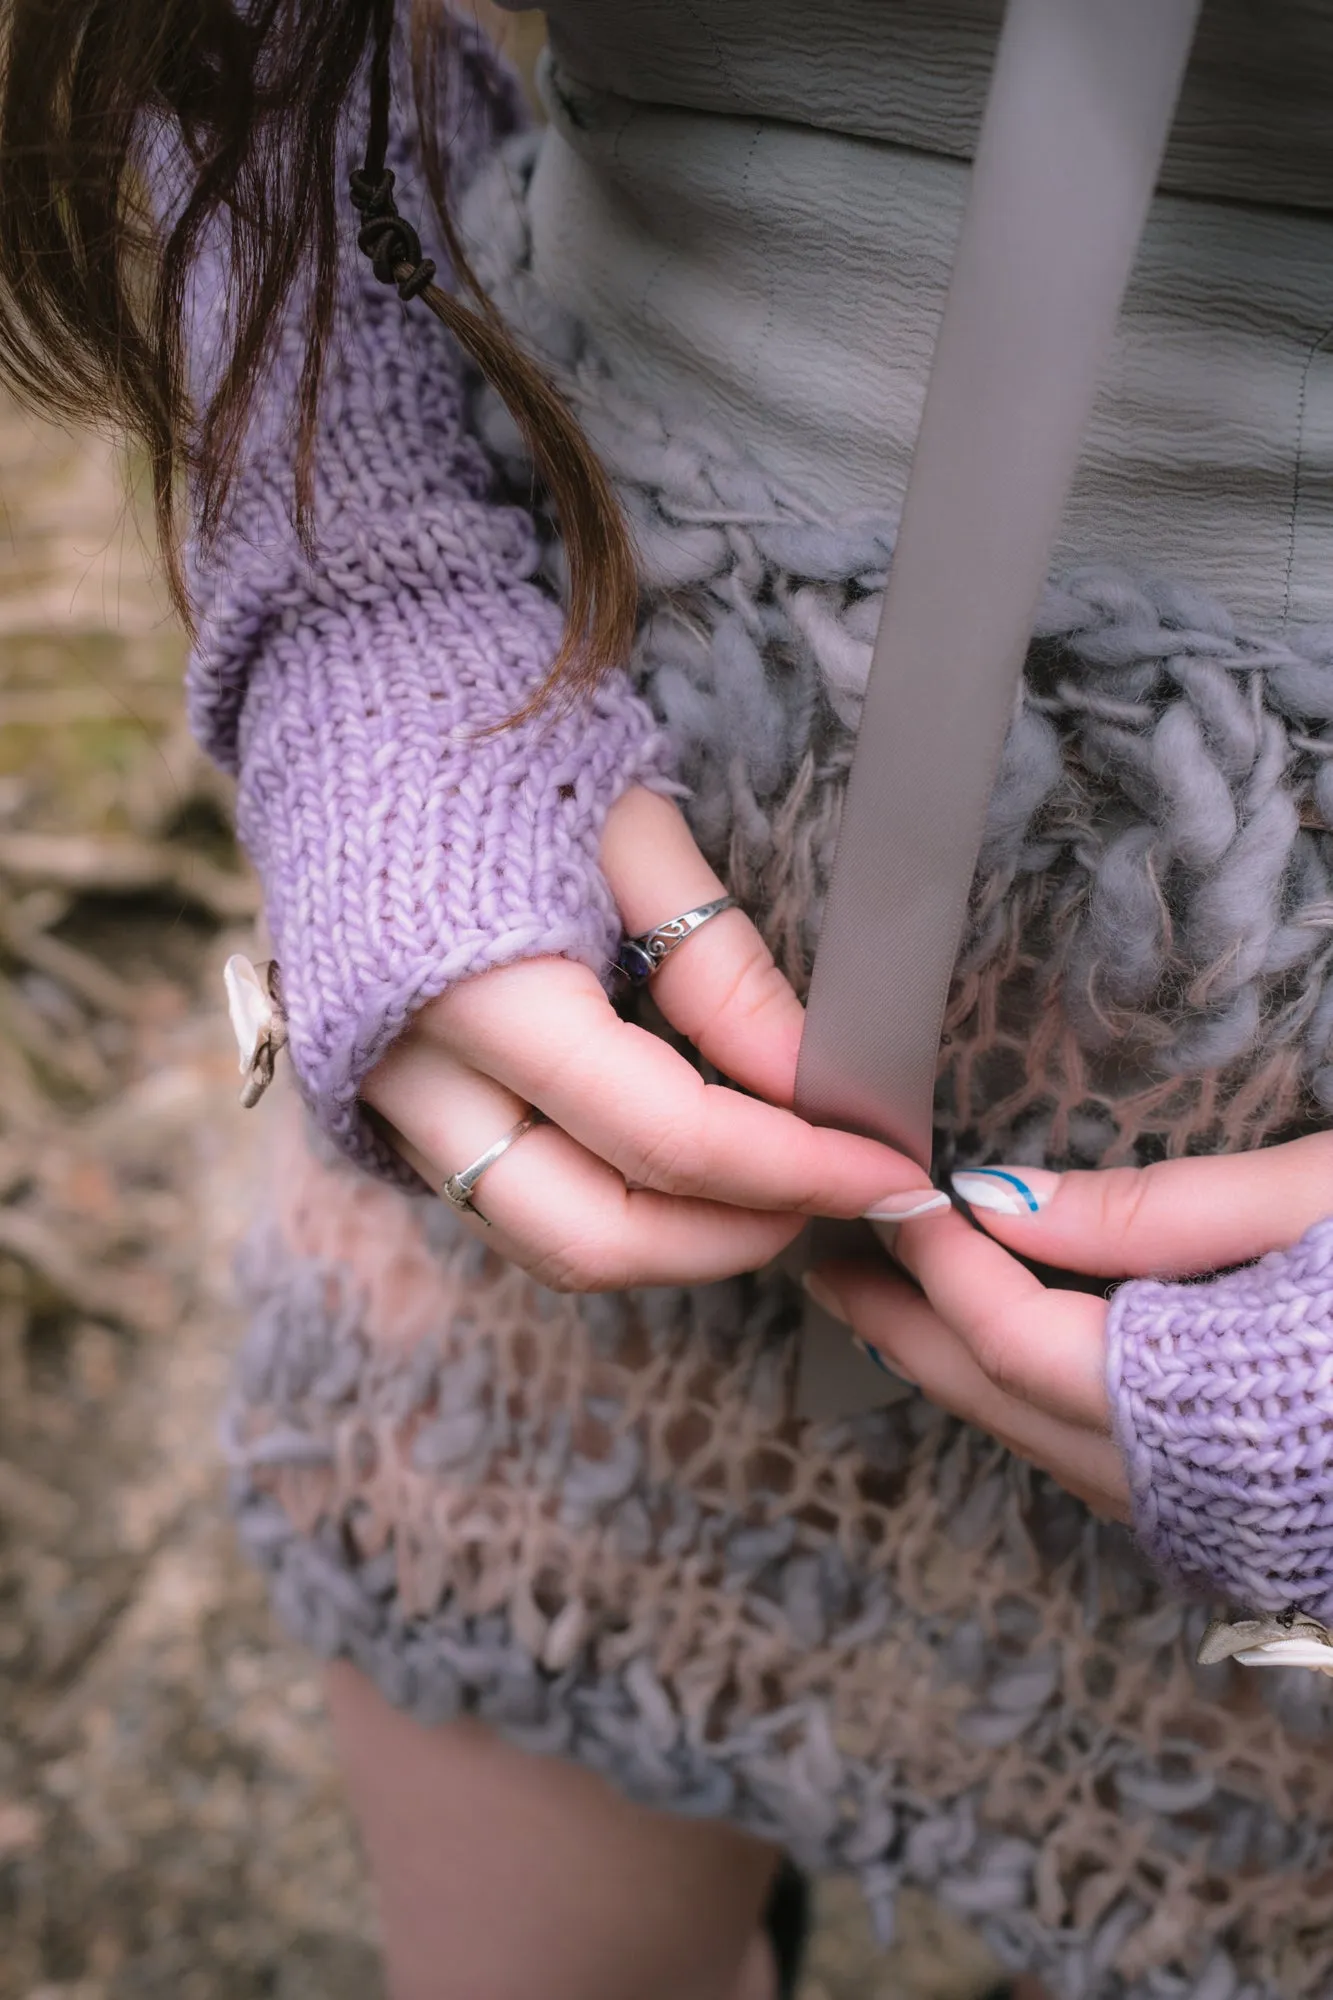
883	1643
400	848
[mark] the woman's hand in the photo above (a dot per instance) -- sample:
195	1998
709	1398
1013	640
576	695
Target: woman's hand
645	1175
987	1340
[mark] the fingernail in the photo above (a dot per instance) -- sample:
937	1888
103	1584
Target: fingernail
825	1298
885	1367
907	1207
1005	1190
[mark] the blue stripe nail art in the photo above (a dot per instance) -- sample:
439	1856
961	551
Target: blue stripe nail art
995	1189
998	1174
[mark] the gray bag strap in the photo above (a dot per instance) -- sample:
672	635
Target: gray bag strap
1071	144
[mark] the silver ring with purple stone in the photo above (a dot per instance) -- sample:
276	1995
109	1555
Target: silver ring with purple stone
639	957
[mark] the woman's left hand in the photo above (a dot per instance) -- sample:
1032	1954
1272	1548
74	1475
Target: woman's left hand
988	1341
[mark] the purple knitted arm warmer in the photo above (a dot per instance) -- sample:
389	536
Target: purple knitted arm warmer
398	852
1223	1400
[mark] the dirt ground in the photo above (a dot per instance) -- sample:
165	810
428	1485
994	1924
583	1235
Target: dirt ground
171	1821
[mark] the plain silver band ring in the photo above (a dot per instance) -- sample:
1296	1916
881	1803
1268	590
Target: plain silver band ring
640	956
459	1189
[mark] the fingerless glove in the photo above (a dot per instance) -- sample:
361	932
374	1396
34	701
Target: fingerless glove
1223	1399
400	849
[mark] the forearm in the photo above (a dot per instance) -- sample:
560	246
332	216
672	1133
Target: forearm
359	688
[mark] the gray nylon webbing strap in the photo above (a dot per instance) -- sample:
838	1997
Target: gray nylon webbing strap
1076	123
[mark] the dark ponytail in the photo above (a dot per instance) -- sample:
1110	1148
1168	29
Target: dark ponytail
92	294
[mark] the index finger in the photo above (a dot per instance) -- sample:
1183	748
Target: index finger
545	1029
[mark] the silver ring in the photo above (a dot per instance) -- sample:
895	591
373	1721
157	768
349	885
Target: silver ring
459	1189
639	957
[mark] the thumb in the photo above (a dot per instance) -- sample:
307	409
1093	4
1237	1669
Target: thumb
1176	1218
721	988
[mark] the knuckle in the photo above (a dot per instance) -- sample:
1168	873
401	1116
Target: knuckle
755	989
1126	1201
564	1267
759	984
578	1264
995	1346
809	1190
667	1159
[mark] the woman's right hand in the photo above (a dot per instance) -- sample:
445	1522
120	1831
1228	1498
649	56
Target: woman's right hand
645	1175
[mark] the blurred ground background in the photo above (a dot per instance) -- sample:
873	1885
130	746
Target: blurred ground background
171	1823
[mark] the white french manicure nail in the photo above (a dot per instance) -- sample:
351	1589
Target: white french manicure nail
907	1207
1005	1190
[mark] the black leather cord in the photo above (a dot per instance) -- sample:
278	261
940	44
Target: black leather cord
386	237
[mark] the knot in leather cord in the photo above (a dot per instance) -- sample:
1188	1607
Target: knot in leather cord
386	237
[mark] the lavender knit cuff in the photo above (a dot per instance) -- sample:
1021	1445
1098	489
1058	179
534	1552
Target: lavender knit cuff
1222	1395
400	850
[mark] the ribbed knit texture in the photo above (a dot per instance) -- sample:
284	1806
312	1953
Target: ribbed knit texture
1223	1398
399	851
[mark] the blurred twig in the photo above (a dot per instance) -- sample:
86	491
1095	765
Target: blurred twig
59	707
113	864
102	990
70	1061
30	1504
13	1344
97	1293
